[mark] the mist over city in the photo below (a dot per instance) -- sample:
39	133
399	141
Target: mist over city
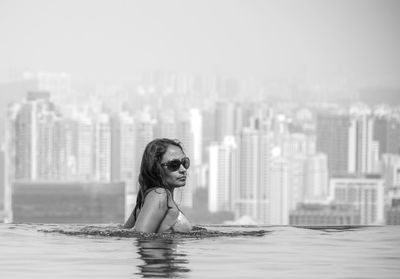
289	110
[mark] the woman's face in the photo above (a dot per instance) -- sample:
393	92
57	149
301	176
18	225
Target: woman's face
174	178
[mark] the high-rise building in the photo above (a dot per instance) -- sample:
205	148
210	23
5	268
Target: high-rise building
391	170
186	136
279	193
393	206
363	150
123	156
222	175
297	148
387	134
248	155
332	135
264	186
365	194
144	133
84	147
36	133
102	148
70	143
196	123
296	178
316	178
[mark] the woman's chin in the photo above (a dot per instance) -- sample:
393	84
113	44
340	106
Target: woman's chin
180	185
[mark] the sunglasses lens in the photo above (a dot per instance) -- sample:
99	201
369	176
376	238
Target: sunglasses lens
186	162
174	165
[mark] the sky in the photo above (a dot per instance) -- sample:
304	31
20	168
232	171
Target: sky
99	40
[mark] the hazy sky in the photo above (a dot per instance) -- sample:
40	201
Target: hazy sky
111	40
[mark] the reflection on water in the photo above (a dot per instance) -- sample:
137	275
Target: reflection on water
161	258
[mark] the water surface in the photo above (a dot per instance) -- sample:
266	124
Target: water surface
76	251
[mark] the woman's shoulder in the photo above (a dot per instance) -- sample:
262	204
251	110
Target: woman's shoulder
157	193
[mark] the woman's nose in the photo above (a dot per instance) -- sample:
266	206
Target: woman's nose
182	168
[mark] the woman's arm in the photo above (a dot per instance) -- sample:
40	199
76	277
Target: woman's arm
131	220
153	211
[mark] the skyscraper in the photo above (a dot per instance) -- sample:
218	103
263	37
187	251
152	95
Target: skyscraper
316	178
123	156
84	147
144	133
387	134
248	151
102	148
363	150
222	175
35	129
279	193
391	170
186	136
267	152
332	134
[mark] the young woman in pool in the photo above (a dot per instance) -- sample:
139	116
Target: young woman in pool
163	168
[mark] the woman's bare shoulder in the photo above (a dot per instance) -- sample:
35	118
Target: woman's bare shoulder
157	194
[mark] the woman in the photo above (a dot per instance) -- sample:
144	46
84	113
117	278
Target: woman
163	168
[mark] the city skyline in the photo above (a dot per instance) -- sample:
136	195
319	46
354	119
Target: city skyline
264	162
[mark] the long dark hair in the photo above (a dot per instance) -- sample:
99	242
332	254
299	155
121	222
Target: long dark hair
151	172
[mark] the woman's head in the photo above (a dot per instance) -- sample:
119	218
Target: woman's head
158	161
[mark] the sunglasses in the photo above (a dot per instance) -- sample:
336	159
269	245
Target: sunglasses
175	164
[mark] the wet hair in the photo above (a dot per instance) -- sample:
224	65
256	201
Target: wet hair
151	172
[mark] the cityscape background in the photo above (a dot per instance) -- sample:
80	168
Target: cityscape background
289	111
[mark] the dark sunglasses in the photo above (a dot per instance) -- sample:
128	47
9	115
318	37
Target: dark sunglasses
175	164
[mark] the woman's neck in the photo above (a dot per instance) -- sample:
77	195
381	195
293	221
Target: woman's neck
171	190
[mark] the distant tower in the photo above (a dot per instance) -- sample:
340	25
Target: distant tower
267	151
297	148
391	170
248	152
102	148
196	123
279	199
123	156
84	155
144	133
36	133
222	175
332	133
363	150
316	178
186	136
387	134
49	144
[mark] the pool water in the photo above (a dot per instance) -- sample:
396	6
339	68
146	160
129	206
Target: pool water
73	251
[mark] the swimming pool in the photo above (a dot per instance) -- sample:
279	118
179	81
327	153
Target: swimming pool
27	251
